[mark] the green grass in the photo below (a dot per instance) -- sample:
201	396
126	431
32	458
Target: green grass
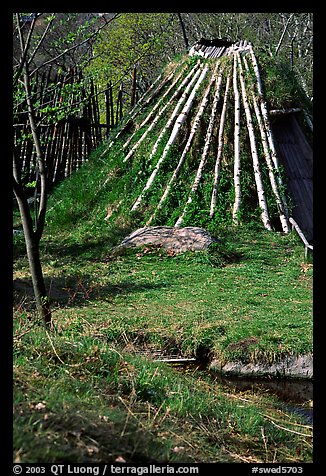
255	284
96	376
78	399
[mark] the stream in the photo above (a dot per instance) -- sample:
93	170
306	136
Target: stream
294	395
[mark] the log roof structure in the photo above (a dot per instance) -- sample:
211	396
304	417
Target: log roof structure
206	115
294	151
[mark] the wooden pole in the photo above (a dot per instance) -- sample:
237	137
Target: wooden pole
207	143
236	167
161	112
186	149
254	154
219	148
268	129
176	129
173	116
280	205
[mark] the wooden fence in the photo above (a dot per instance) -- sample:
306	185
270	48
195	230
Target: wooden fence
86	118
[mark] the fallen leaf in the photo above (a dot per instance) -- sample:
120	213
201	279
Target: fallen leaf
177	449
92	449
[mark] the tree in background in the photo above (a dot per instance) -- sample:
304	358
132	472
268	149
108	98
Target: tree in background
151	40
287	37
144	40
33	35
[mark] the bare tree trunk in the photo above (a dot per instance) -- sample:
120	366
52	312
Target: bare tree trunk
183	31
133	87
33	253
283	33
32	238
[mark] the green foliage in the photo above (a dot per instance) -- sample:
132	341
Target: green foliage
133	39
281	86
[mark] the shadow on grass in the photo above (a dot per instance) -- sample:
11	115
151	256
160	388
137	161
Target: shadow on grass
77	290
90	247
84	436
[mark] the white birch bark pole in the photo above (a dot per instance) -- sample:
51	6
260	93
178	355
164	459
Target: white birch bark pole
207	144
155	120
186	149
219	148
268	129
283	219
138	106
254	154
157	105
236	167
263	107
173	115
142	98
176	129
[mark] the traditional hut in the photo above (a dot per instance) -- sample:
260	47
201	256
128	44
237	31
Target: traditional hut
207	116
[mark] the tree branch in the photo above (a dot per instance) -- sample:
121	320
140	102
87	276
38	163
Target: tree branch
42	39
23	47
78	45
284	31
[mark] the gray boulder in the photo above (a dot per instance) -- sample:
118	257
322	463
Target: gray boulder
189	238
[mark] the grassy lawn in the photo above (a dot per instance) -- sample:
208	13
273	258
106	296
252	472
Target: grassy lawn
256	288
92	391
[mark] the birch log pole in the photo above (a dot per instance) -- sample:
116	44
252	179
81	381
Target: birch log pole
269	162
140	101
268	129
258	179
207	144
186	149
176	129
153	110
173	116
219	148
263	107
155	120
157	105
236	167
